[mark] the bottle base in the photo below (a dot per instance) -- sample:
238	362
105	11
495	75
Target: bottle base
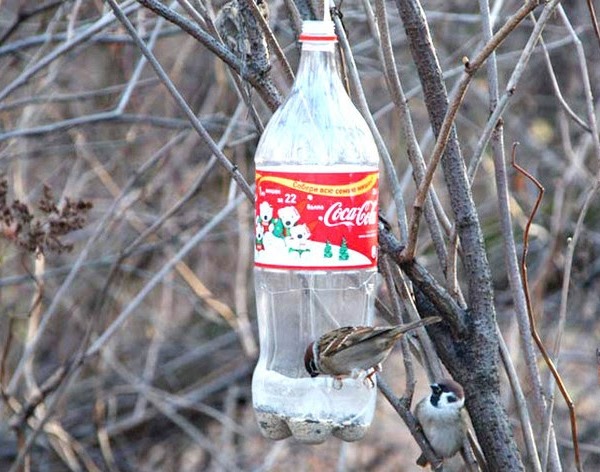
312	409
308	431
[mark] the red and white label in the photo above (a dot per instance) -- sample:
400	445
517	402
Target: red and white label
316	220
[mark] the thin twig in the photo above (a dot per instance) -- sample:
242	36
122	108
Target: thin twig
132	306
471	67
534	332
429	358
511	86
103	437
399	404
181	102
71	447
6	345
18	46
557	92
72	97
159	335
108	117
24	15
521	403
413	150
227	441
585	77
244	258
511	259
386	268
598	362
190	10
260	81
34	320
381	147
96	27
594	19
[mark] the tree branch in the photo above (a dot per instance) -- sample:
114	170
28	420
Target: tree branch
261	82
472	359
443	115
452	313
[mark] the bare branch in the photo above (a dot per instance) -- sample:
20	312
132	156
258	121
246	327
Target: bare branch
419	276
534	332
25	14
95	28
594	19
263	85
446	127
237	176
381	147
413	150
399	404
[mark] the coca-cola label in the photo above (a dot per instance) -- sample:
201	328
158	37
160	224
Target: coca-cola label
316	220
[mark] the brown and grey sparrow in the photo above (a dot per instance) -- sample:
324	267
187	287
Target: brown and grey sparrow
443	419
352	350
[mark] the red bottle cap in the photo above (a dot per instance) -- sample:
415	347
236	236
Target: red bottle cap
318	31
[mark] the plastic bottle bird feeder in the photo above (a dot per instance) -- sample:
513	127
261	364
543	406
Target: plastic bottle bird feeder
316	248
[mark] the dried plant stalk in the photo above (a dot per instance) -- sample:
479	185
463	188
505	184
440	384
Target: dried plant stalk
534	332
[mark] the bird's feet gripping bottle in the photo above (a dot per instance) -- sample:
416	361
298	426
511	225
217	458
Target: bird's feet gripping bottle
316	248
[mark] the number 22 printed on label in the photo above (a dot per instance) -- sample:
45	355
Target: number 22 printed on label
316	220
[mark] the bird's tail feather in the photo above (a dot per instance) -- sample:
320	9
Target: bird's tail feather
401	329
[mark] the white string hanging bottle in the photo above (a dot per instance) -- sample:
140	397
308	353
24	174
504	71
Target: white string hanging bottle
316	248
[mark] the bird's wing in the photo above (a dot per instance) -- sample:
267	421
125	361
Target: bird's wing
349	336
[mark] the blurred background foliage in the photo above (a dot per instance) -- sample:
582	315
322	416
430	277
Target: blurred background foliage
170	389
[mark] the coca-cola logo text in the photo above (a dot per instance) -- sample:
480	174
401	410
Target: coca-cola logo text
364	215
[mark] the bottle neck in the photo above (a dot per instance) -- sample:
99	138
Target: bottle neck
317	62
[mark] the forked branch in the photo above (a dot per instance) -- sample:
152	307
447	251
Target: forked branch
471	67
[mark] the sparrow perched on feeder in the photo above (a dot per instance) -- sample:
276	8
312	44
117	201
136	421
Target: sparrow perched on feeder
352	350
442	418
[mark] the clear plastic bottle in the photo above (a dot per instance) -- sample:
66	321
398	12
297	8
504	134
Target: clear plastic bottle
316	248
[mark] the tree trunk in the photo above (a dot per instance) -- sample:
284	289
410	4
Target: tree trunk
472	358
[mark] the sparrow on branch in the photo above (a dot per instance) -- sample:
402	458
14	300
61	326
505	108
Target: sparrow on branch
443	419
